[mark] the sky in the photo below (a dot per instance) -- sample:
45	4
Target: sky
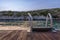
26	5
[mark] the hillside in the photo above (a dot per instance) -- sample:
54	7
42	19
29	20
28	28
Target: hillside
54	11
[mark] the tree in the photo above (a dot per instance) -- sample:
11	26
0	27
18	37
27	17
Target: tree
8	13
19	14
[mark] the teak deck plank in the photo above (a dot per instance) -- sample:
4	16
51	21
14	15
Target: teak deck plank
46	36
24	35
14	35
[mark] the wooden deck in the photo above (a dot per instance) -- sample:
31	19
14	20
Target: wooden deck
13	35
45	36
24	35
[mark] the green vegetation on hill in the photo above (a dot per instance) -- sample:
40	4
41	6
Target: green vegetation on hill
54	11
9	13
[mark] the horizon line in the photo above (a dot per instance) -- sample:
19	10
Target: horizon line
29	10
